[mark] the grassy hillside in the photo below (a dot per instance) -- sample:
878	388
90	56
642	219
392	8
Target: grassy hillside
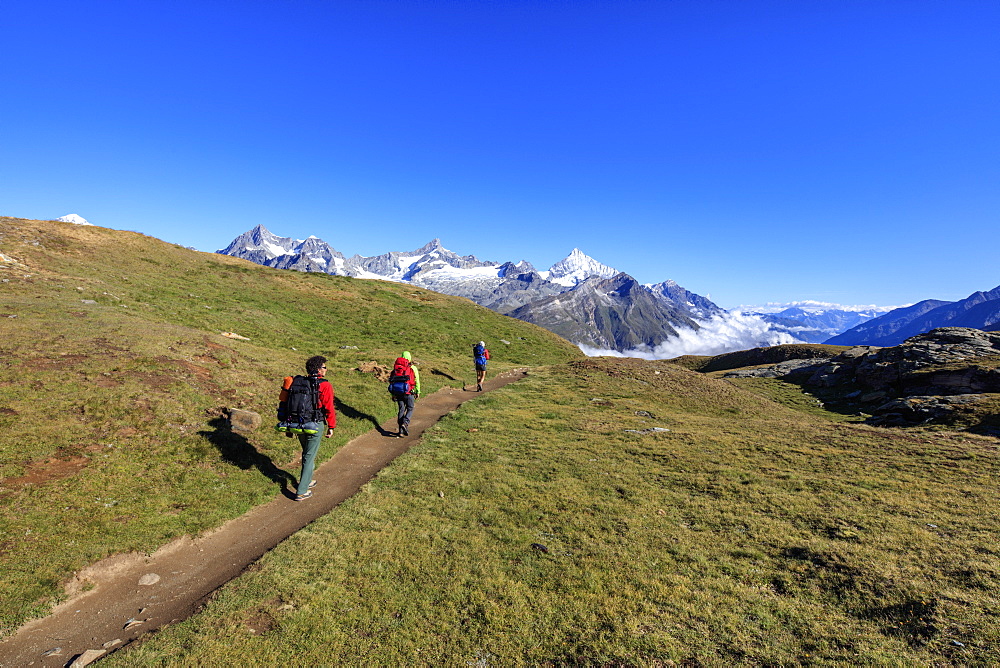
599	512
624	512
114	374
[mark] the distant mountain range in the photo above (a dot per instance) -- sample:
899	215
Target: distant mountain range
814	322
980	310
579	298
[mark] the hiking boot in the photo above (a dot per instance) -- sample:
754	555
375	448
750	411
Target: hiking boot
303	497
479	388
403	431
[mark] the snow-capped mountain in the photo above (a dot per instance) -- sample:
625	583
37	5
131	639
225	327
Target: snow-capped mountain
609	312
614	313
575	268
700	307
73	218
261	246
605	306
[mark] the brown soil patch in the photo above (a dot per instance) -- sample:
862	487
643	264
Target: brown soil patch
212	345
53	468
199	372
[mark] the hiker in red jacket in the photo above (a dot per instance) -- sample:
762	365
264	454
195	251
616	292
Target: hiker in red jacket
316	369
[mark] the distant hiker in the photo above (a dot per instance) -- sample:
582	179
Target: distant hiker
481	356
404	384
305	407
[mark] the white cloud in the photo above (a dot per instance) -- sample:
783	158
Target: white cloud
721	334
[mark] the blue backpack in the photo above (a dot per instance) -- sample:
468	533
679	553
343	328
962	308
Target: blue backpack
479	352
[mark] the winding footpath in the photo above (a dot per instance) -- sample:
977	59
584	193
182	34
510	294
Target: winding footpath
131	595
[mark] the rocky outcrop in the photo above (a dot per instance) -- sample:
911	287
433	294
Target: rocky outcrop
780	370
909	411
925	379
941	361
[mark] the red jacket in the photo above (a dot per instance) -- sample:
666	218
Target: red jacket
326	403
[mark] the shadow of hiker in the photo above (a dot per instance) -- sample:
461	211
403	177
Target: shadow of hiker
238	451
351	413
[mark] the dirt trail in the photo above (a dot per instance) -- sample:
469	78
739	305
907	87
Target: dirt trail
134	594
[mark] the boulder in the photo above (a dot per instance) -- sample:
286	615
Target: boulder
920	409
242	421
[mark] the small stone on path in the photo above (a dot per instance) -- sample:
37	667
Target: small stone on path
87	658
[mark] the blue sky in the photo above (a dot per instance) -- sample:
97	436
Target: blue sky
842	151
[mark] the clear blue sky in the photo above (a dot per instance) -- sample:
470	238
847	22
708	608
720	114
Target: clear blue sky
844	151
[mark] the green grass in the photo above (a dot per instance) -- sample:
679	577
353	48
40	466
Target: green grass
532	527
111	430
818	402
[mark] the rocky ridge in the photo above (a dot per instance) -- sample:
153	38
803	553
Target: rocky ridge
928	378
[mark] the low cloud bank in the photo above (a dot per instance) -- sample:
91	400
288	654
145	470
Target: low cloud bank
811	306
721	334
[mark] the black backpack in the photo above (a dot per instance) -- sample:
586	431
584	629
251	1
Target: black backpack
300	404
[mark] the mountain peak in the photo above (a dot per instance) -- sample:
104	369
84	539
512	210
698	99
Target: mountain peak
577	267
432	245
